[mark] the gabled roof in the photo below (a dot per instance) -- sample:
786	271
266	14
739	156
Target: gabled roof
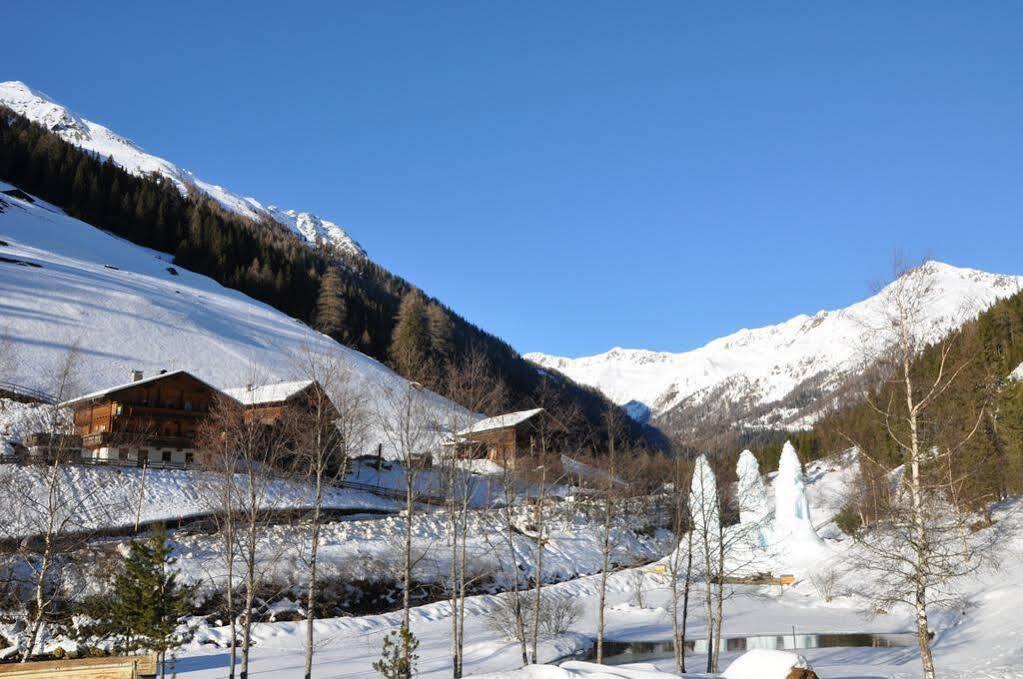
500	421
268	393
128	385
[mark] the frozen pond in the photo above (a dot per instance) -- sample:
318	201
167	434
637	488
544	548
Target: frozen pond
624	652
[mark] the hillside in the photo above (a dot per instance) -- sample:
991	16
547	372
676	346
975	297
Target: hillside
978	416
94	137
778	377
66	284
275	256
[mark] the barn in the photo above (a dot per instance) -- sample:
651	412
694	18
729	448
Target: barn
511	440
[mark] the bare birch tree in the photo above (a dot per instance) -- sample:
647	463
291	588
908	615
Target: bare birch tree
920	547
609	496
262	451
44	515
680	560
473	384
555	422
705	514
219	459
510	490
331	428
404	419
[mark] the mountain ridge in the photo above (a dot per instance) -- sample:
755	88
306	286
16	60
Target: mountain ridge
776	376
87	134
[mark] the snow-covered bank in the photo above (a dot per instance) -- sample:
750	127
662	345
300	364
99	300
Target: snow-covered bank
369	550
108	497
984	640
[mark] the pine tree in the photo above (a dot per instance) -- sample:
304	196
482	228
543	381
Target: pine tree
330	305
1010	426
398	659
410	341
146	603
442	334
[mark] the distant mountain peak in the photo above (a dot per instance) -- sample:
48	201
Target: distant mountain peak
778	376
71	127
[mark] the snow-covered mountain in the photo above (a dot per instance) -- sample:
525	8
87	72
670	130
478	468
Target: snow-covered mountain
1017	374
94	137
777	376
65	284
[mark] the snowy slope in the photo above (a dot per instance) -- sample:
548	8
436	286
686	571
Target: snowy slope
108	497
65	283
763	369
86	134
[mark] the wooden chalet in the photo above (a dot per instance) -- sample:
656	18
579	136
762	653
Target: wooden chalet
268	403
510	440
147	420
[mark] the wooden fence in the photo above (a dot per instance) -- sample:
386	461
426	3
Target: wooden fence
115	667
18	392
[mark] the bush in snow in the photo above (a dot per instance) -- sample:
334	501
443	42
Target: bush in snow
557	615
848	520
825	582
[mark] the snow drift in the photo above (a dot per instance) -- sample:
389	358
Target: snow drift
764	664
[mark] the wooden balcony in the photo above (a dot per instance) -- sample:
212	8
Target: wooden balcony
168	412
100	439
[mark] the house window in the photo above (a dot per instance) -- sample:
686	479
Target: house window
166	456
189	457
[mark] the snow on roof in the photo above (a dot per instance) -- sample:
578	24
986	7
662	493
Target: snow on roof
500	421
135	383
267	393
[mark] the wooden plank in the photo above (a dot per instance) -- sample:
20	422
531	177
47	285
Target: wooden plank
114	667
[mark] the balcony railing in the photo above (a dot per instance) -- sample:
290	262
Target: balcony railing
137	409
139	440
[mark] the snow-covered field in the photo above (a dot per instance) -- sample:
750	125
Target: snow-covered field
983	640
986	642
125	307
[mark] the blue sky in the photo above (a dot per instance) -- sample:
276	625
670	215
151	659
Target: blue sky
576	176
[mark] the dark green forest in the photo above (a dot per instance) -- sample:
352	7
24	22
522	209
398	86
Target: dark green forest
354	300
979	417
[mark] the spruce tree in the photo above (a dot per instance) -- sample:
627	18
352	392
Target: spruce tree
442	333
398	659
330	305
410	341
146	603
